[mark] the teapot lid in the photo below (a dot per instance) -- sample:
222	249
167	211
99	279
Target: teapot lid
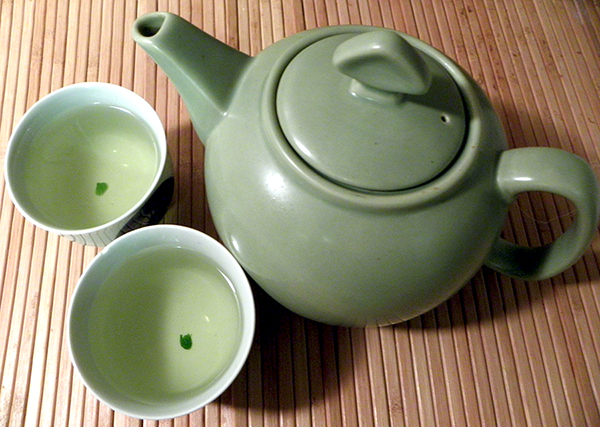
370	111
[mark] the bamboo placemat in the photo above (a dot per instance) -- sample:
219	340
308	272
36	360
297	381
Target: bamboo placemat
501	352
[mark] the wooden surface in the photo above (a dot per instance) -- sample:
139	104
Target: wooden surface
501	352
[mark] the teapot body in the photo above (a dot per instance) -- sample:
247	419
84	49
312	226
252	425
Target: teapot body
339	255
386	214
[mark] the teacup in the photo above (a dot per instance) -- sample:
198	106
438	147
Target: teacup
90	162
161	322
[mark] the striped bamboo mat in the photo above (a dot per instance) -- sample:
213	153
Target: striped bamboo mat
500	353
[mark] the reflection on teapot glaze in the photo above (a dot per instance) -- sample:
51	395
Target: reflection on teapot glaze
276	183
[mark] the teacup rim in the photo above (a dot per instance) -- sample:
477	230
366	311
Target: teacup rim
241	286
30	115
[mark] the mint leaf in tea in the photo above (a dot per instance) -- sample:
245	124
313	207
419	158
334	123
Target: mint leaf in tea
101	188
185	341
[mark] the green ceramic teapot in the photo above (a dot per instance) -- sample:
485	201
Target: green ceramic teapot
359	175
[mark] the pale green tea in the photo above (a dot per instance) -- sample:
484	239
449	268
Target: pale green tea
143	315
89	166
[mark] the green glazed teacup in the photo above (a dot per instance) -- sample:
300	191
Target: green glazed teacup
161	322
90	162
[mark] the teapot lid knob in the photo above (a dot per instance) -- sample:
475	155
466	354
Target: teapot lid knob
383	60
371	111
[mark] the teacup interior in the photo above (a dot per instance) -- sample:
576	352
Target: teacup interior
157	331
85	166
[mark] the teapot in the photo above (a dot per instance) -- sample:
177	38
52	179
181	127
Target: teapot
359	175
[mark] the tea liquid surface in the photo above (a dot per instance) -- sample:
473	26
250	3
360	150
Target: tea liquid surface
147	311
89	166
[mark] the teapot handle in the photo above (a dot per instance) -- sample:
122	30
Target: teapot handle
555	171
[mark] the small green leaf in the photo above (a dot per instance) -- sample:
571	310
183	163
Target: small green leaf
101	188
185	341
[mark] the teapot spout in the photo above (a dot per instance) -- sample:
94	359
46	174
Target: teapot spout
204	70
